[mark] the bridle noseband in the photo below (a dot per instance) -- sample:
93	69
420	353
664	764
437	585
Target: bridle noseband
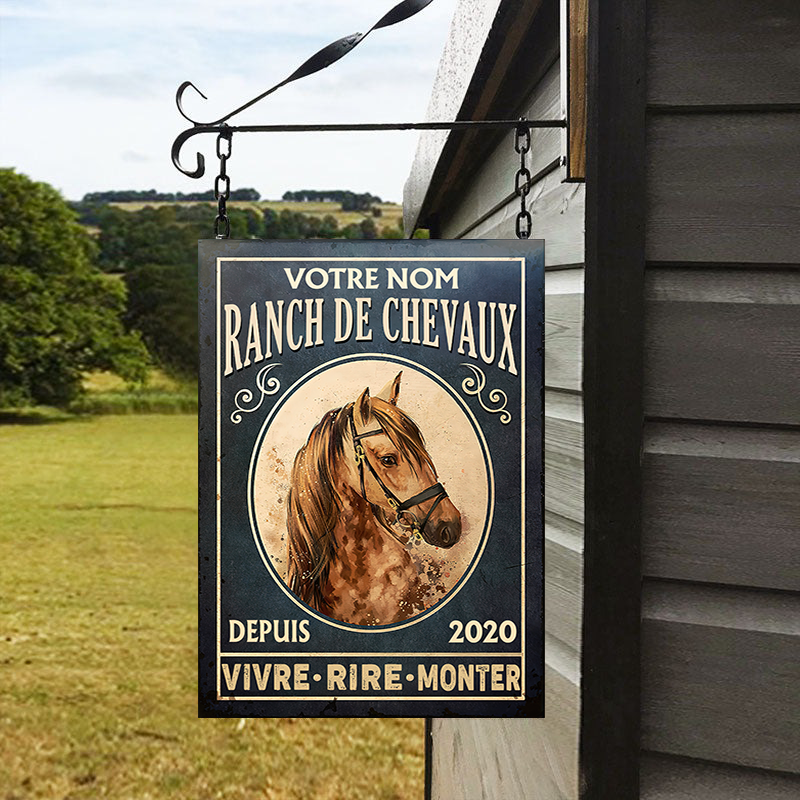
436	491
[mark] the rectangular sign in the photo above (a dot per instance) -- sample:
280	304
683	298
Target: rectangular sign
371	478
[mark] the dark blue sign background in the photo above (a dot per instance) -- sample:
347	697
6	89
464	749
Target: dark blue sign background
234	272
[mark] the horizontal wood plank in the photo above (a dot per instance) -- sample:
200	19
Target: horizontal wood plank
722	607
563	580
563	455
495	758
721	505
563	329
557	211
669	778
723	346
563	424
723	187
696	284
493	179
723	51
720	674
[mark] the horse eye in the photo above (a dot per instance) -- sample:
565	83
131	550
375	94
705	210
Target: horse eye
389	461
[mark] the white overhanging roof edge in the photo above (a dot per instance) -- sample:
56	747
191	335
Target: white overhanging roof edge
472	21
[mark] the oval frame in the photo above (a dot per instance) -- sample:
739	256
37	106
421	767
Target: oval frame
251	493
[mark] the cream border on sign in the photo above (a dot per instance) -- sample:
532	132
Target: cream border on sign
463	581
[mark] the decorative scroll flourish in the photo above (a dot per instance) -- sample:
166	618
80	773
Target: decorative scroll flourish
474	384
266	385
320	60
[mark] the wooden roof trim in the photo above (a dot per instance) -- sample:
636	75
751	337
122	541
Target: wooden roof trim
488	52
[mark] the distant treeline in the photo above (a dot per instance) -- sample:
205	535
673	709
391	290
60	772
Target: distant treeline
168	234
154	249
152	196
350	200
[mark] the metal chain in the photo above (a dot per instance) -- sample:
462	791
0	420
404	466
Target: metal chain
522	182
222	183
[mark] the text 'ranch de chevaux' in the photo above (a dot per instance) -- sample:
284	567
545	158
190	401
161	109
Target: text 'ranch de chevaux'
478	330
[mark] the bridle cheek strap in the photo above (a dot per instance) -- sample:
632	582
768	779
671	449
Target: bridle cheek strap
361	457
436	491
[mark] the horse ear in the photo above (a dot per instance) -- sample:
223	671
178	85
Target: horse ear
363	408
391	391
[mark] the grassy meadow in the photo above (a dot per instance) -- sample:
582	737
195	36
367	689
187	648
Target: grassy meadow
98	597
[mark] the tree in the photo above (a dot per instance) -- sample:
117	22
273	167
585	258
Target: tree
245	194
156	249
272	226
162	304
151	236
59	315
369	230
350	200
329	227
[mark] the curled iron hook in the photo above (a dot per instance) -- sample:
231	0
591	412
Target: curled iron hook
180	140
179	99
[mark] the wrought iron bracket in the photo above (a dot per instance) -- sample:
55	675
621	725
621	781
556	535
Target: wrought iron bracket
455	125
320	60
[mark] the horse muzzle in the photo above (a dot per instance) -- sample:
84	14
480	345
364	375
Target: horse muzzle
444	533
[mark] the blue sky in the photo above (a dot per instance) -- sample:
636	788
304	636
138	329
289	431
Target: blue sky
87	90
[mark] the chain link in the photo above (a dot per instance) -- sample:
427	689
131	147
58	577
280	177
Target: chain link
222	183
522	181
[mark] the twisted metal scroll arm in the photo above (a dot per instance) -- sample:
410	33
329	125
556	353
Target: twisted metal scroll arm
320	60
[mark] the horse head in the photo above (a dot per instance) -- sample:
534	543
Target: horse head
393	471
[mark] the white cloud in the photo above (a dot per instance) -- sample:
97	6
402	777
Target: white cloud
91	85
269	17
130	85
135	158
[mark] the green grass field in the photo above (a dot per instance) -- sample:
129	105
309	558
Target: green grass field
98	596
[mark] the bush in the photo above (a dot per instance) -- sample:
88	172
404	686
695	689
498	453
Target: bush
145	401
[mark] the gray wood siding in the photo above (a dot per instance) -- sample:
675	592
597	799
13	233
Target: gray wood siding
721	514
492	182
509	758
720	674
473	758
488	208
720	184
563	453
562	331
557	211
723	187
536	759
563	598
722	505
723	345
667	778
706	52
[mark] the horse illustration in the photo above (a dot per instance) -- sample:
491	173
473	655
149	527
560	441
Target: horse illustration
363	488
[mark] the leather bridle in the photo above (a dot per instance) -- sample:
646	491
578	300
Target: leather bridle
437	492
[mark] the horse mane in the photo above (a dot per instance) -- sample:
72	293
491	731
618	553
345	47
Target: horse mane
314	507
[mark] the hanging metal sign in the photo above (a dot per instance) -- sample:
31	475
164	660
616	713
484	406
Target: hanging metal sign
371	478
